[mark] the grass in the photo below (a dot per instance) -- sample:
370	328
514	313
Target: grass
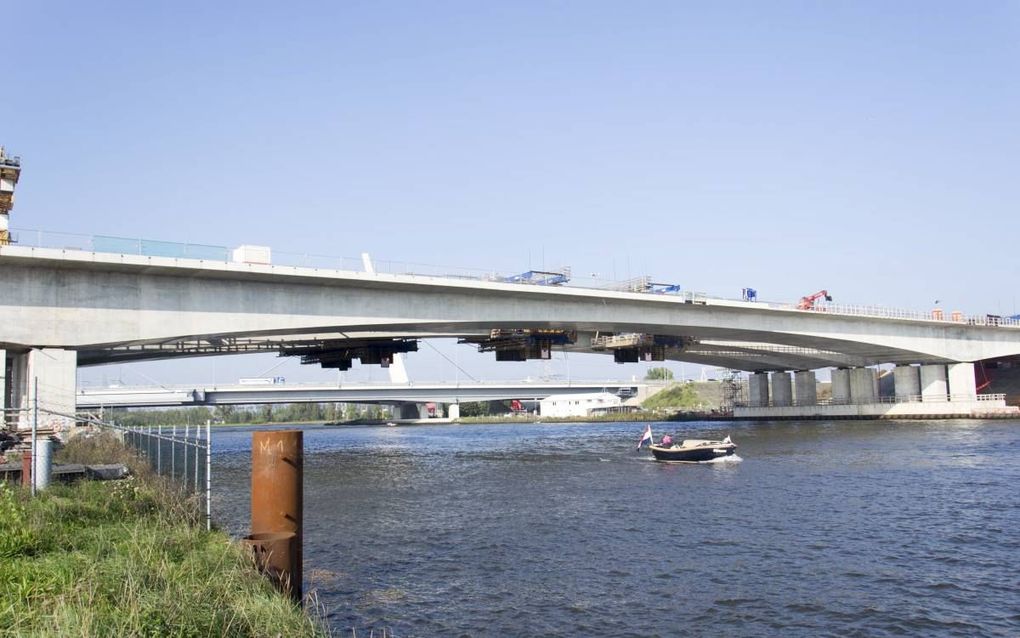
128	558
681	396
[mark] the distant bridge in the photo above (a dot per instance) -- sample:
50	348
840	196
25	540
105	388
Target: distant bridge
95	398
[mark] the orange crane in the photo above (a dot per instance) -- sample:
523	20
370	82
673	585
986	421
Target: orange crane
808	302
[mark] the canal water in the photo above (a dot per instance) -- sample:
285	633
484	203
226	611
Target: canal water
841	529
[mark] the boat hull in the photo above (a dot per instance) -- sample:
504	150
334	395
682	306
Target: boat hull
692	455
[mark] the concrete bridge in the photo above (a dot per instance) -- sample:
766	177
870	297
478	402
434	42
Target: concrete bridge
449	393
61	308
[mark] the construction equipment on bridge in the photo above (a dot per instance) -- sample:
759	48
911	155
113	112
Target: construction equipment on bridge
10	171
643	284
341	353
808	302
540	277
634	347
521	344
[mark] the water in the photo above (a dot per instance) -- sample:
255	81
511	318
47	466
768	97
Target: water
840	529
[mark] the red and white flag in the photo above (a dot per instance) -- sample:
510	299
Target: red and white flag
647	436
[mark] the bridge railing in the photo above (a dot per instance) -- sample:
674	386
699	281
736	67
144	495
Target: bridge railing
882	312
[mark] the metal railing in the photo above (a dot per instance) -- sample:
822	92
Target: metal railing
882	312
637	285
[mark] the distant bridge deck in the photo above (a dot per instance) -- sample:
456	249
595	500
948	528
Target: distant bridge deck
94	398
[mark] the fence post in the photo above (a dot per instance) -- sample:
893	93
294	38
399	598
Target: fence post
197	450
184	476
173	454
35	428
208	475
159	450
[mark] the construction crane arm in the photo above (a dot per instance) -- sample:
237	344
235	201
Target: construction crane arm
808	302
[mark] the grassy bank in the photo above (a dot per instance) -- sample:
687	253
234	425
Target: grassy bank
127	558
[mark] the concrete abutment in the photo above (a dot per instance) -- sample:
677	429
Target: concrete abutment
56	373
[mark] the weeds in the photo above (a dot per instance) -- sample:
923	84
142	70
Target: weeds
126	558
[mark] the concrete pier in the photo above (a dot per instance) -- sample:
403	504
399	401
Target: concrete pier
56	372
841	386
962	384
862	385
758	390
907	382
4	390
806	387
782	389
933	382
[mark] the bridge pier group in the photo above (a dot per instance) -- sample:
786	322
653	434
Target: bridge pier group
918	390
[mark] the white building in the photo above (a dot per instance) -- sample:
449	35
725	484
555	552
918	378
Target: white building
577	404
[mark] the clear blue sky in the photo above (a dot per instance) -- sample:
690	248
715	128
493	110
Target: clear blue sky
870	148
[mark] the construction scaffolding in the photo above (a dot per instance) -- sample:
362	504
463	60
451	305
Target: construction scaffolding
10	171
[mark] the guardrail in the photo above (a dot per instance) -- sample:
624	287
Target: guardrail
882	312
638	285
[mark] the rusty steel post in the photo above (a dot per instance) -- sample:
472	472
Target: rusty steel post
277	494
26	468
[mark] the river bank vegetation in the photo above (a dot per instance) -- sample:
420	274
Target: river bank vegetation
247	415
128	558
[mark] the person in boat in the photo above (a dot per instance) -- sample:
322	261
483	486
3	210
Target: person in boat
667	440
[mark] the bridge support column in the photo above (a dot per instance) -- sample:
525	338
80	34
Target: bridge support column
962	383
907	382
56	372
758	390
806	386
453	411
3	389
841	386
411	411
933	383
782	389
863	385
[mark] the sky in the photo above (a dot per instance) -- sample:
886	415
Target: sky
867	148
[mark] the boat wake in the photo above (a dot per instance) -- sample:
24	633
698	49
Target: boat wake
732	458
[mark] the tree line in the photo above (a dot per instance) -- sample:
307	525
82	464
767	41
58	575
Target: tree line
254	415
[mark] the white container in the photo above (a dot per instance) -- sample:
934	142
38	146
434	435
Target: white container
43	463
249	254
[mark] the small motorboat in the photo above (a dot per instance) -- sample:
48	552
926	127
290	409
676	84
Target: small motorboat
694	450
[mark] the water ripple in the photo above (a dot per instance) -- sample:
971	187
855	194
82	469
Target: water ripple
824	529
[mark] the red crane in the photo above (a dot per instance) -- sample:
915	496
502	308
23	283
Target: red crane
808	303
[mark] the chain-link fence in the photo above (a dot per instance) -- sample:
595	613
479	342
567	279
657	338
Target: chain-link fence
180	453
